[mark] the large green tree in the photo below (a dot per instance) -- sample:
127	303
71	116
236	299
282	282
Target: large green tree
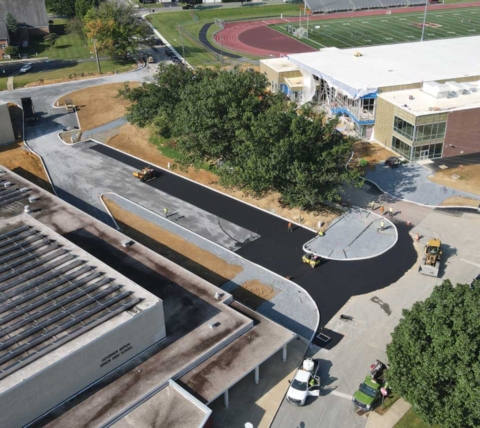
83	6
62	7
259	140
434	357
115	29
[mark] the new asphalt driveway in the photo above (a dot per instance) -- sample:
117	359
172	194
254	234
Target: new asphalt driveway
330	284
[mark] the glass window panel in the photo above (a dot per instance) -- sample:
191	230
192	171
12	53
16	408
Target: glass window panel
438	150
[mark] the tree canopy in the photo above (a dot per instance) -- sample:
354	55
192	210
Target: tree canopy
115	28
83	6
11	23
62	7
258	140
434	357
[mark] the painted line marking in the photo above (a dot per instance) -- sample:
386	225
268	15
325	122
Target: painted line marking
341	394
470	263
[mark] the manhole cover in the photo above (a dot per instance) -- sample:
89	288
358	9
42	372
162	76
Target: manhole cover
323	337
443	167
455	176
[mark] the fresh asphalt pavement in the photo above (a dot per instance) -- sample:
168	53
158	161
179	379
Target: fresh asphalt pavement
330	285
13	68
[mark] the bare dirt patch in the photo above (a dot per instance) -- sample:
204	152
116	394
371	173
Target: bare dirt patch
468	181
135	141
373	153
253	293
97	105
178	250
459	201
20	160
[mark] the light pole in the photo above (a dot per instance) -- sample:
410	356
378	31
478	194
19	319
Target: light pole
424	20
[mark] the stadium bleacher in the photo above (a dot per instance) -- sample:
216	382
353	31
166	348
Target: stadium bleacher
330	6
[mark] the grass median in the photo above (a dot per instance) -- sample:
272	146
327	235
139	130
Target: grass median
73	72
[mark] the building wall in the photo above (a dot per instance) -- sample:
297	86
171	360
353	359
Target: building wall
277	77
83	367
3	42
463	133
6	135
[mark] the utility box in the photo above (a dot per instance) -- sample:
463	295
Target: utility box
6	135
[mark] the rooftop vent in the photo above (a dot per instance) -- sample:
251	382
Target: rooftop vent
436	89
356	53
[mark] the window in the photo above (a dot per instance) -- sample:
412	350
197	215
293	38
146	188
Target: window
403	128
368	104
403	148
430	132
3	46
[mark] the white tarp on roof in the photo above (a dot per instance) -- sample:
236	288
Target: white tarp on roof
392	65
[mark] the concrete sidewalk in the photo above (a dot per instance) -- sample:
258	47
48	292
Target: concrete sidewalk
356	235
389	419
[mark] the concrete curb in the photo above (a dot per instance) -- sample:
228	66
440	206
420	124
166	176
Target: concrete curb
419	203
357	258
223	248
36	154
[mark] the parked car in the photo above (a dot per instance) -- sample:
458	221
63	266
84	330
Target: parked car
26	68
305	383
188	6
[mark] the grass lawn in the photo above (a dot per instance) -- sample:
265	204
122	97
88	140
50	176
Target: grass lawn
107	66
411	420
194	20
3	83
390	29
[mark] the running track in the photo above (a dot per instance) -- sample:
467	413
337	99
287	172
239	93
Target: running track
256	38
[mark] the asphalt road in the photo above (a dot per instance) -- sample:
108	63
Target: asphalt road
330	285
13	68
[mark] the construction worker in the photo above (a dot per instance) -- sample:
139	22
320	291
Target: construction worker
382	209
165	210
417	237
390	212
290	227
382	225
372	205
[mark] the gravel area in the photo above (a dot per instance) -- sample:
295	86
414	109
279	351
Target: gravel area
410	182
291	307
355	235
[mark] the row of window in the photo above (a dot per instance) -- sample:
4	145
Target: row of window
420	132
427	151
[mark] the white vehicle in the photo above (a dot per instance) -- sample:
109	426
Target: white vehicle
25	68
305	383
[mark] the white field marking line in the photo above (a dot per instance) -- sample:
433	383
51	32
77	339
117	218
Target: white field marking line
470	263
219	246
341	394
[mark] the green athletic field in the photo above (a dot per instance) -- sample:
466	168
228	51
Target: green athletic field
389	29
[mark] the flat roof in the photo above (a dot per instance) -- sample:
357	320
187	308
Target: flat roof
280	64
54	297
392	65
210	379
172	407
420	103
199	325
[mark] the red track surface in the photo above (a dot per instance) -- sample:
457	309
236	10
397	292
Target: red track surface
255	38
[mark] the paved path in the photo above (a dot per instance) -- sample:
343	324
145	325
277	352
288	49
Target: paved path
410	182
290	307
355	235
107	127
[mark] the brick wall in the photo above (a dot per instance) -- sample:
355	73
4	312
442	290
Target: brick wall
463	133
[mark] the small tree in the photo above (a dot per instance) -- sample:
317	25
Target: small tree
12	24
75	26
12	51
62	7
434	357
50	39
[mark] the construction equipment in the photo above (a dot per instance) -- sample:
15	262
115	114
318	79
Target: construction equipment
431	260
28	110
146	174
311	259
69	105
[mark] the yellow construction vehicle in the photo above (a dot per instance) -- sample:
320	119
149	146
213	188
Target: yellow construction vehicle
69	105
431	260
146	174
311	259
